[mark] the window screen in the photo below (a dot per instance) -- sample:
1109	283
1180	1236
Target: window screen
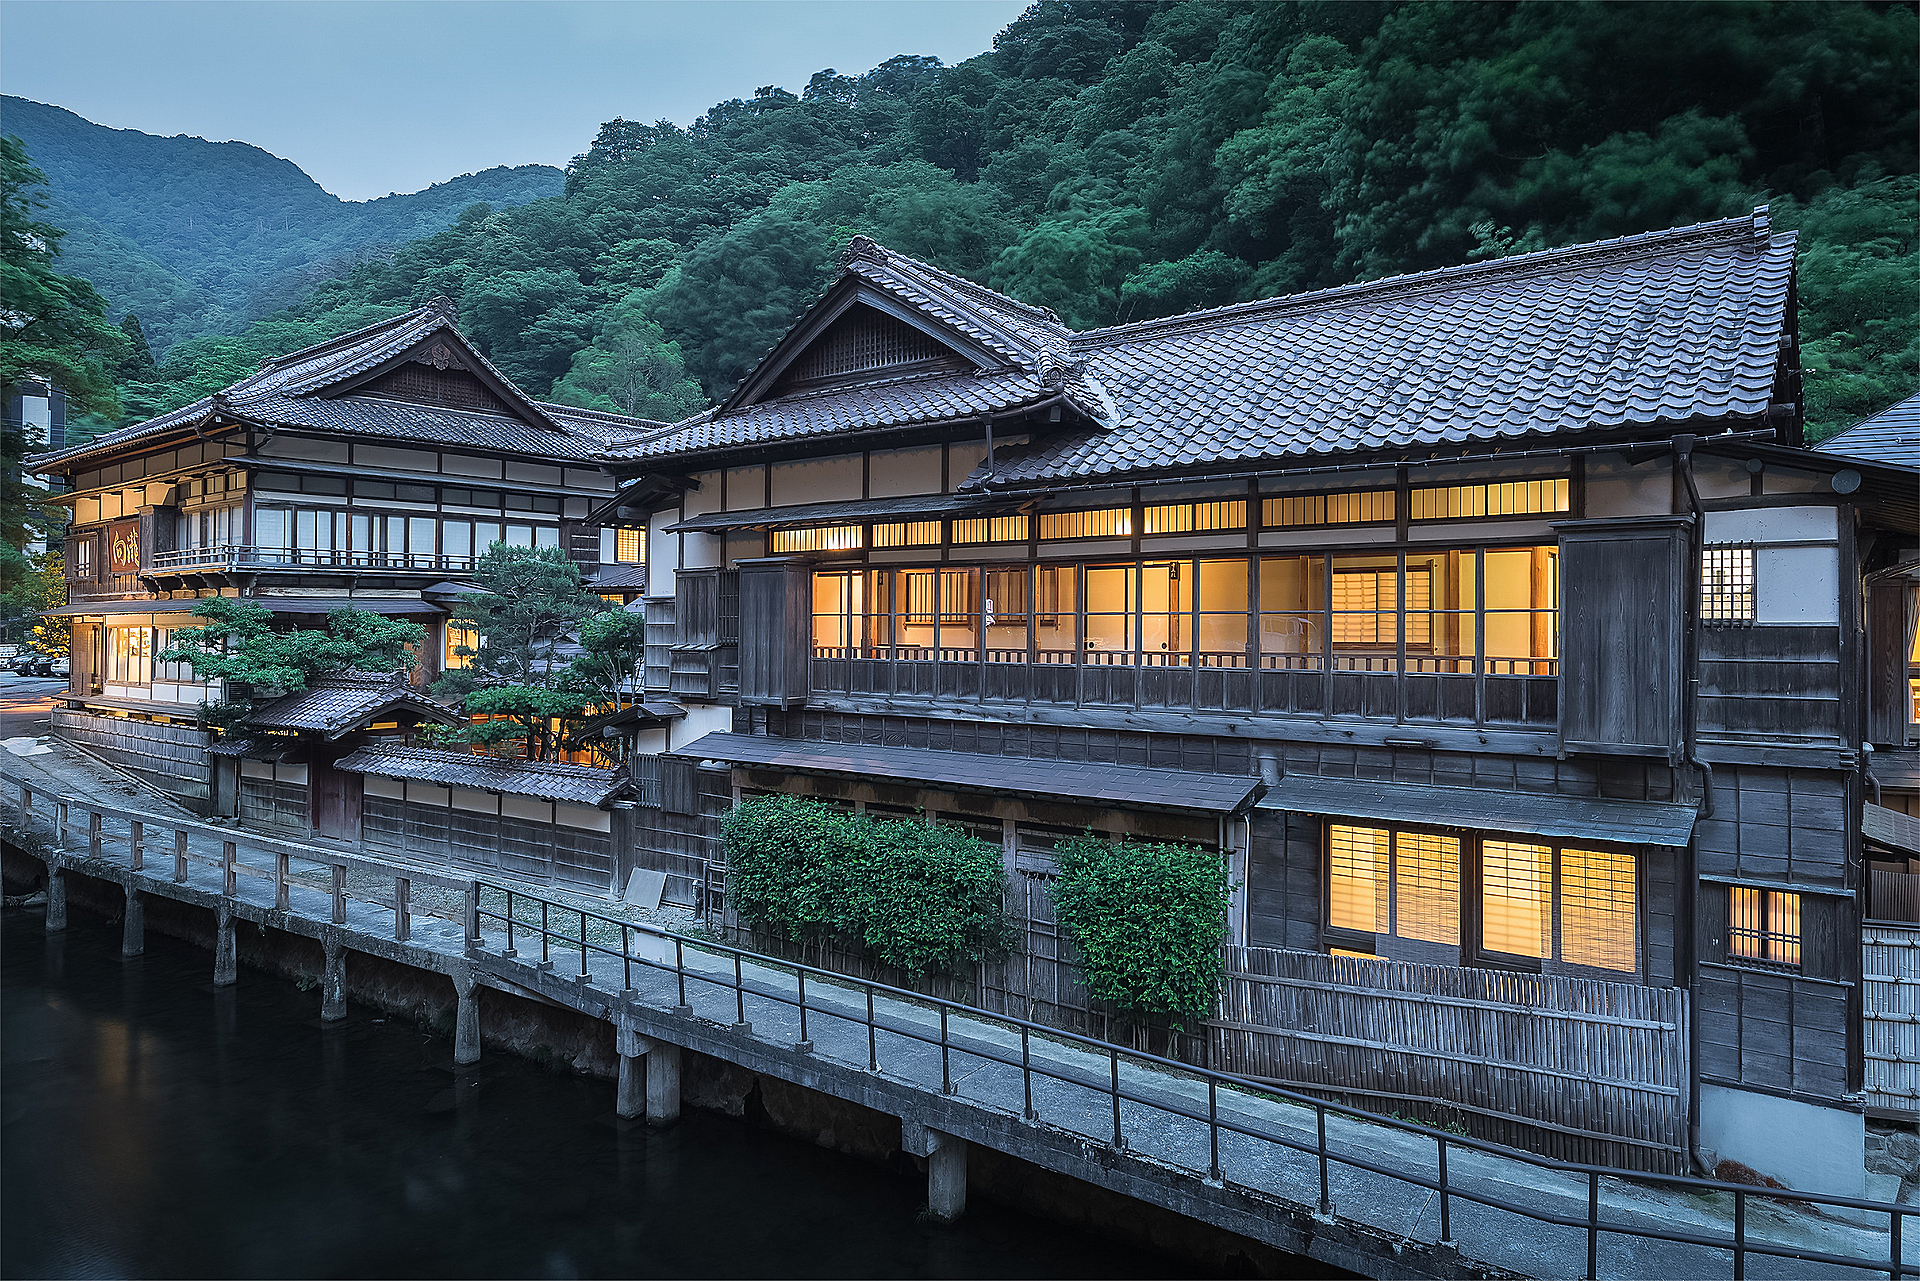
1763	926
1726	586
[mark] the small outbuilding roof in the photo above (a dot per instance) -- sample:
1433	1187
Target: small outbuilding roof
575	784
1574	817
1890	438
347	702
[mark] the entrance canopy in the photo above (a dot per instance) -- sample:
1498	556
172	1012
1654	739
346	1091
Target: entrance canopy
1576	817
1120	786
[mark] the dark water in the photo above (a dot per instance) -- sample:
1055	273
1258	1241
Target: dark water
154	1126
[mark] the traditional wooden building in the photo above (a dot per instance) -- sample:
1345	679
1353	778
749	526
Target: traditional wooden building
370	470
1493	622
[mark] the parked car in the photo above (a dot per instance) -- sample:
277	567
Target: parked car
61	667
22	664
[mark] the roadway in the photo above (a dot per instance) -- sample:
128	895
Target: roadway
26	704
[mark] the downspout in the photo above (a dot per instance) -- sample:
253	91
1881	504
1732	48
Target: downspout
1690	750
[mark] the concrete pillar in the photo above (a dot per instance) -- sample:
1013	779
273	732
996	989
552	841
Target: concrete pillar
333	979
663	1084
466	1018
56	898
133	926
226	965
629	1099
947	1179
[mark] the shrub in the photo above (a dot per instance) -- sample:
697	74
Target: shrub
924	898
1148	919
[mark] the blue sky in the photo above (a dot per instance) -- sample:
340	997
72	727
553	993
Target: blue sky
371	96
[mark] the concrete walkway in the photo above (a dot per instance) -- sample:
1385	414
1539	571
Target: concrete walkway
1071	1103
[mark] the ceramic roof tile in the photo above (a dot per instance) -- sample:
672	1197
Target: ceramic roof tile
348	701
576	784
1891	436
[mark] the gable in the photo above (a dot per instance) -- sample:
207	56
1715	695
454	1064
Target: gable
438	370
865	342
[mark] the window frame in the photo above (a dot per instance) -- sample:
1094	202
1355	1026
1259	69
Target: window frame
1765	904
1735	606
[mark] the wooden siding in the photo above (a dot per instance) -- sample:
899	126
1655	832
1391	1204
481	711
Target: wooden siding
172	756
1623	584
1774	824
776	627
1891	984
1886	677
1771	684
1283	882
685	845
268	803
660	632
1581	1069
553	853
1773	1029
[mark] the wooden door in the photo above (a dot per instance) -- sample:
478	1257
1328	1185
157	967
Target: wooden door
336	803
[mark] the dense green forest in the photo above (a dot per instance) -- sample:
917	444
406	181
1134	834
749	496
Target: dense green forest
199	237
1118	161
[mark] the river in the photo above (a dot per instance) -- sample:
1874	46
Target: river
152	1125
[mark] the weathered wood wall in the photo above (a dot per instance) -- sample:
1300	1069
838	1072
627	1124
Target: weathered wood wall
173	757
514	844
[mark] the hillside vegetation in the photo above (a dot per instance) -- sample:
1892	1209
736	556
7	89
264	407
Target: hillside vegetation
200	237
1120	161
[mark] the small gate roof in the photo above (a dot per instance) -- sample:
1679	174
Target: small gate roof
340	704
1528	813
549	781
1123	786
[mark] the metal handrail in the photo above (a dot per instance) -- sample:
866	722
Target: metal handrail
1738	1243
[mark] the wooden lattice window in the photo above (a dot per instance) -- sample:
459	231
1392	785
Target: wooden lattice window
861	341
423	384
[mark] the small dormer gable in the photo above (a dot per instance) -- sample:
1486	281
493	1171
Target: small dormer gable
435	372
865	342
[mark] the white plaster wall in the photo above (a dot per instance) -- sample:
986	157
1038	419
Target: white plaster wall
899	473
816	480
1792	585
663	552
1772	524
534	473
1814	1149
701	719
705	496
468	465
325	451
396	459
746	487
589	479
1615	489
1721	477
701	551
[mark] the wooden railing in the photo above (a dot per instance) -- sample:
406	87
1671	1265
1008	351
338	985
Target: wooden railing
236	556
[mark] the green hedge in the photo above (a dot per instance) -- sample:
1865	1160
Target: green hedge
1149	919
927	899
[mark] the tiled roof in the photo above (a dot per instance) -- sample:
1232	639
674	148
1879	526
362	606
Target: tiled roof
922	505
1671	327
289	391
1127	786
338	704
1891	436
577	784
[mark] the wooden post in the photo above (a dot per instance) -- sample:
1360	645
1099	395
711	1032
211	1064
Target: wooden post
93	833
402	920
281	860
339	893
179	855
137	852
230	878
26	799
473	914
60	824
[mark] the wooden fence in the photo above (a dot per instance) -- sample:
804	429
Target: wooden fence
1890	973
171	757
1580	1069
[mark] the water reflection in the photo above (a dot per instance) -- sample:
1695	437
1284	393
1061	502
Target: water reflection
153	1125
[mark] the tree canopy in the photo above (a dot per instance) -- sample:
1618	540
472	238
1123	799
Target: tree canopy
1118	161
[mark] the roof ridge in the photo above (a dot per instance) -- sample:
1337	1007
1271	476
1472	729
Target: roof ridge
1754	228
873	251
340	340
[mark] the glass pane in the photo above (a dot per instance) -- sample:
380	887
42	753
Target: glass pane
458	536
1056	610
836	604
1516	911
420	536
1110	609
1521	590
1783	928
914	602
1365	628
485	534
519	535
1166	612
959	618
878	637
1006	607
1221	586
1357	878
1426	887
270	527
1441	593
1597	916
546	535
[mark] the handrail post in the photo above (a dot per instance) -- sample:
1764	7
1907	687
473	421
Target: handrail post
873	1041
282	869
511	949
136	848
946	1073
1896	1258
739	993
1026	1075
93	833
339	914
229	875
1593	1227
583	947
626	959
179	855
680	973
26	800
1446	1208
60	825
1113	1060
1213	1132
1739	1234
472	914
546	956
1326	1198
402	917
805	1045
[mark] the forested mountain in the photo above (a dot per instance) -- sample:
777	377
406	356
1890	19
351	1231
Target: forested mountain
1118	161
201	237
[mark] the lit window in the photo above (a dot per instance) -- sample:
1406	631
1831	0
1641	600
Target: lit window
1726	586
991	529
462	644
1357	878
1367	507
629	546
1505	498
823	538
1422	868
1110	522
913	533
1597	909
1185	518
1763	926
1516	898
